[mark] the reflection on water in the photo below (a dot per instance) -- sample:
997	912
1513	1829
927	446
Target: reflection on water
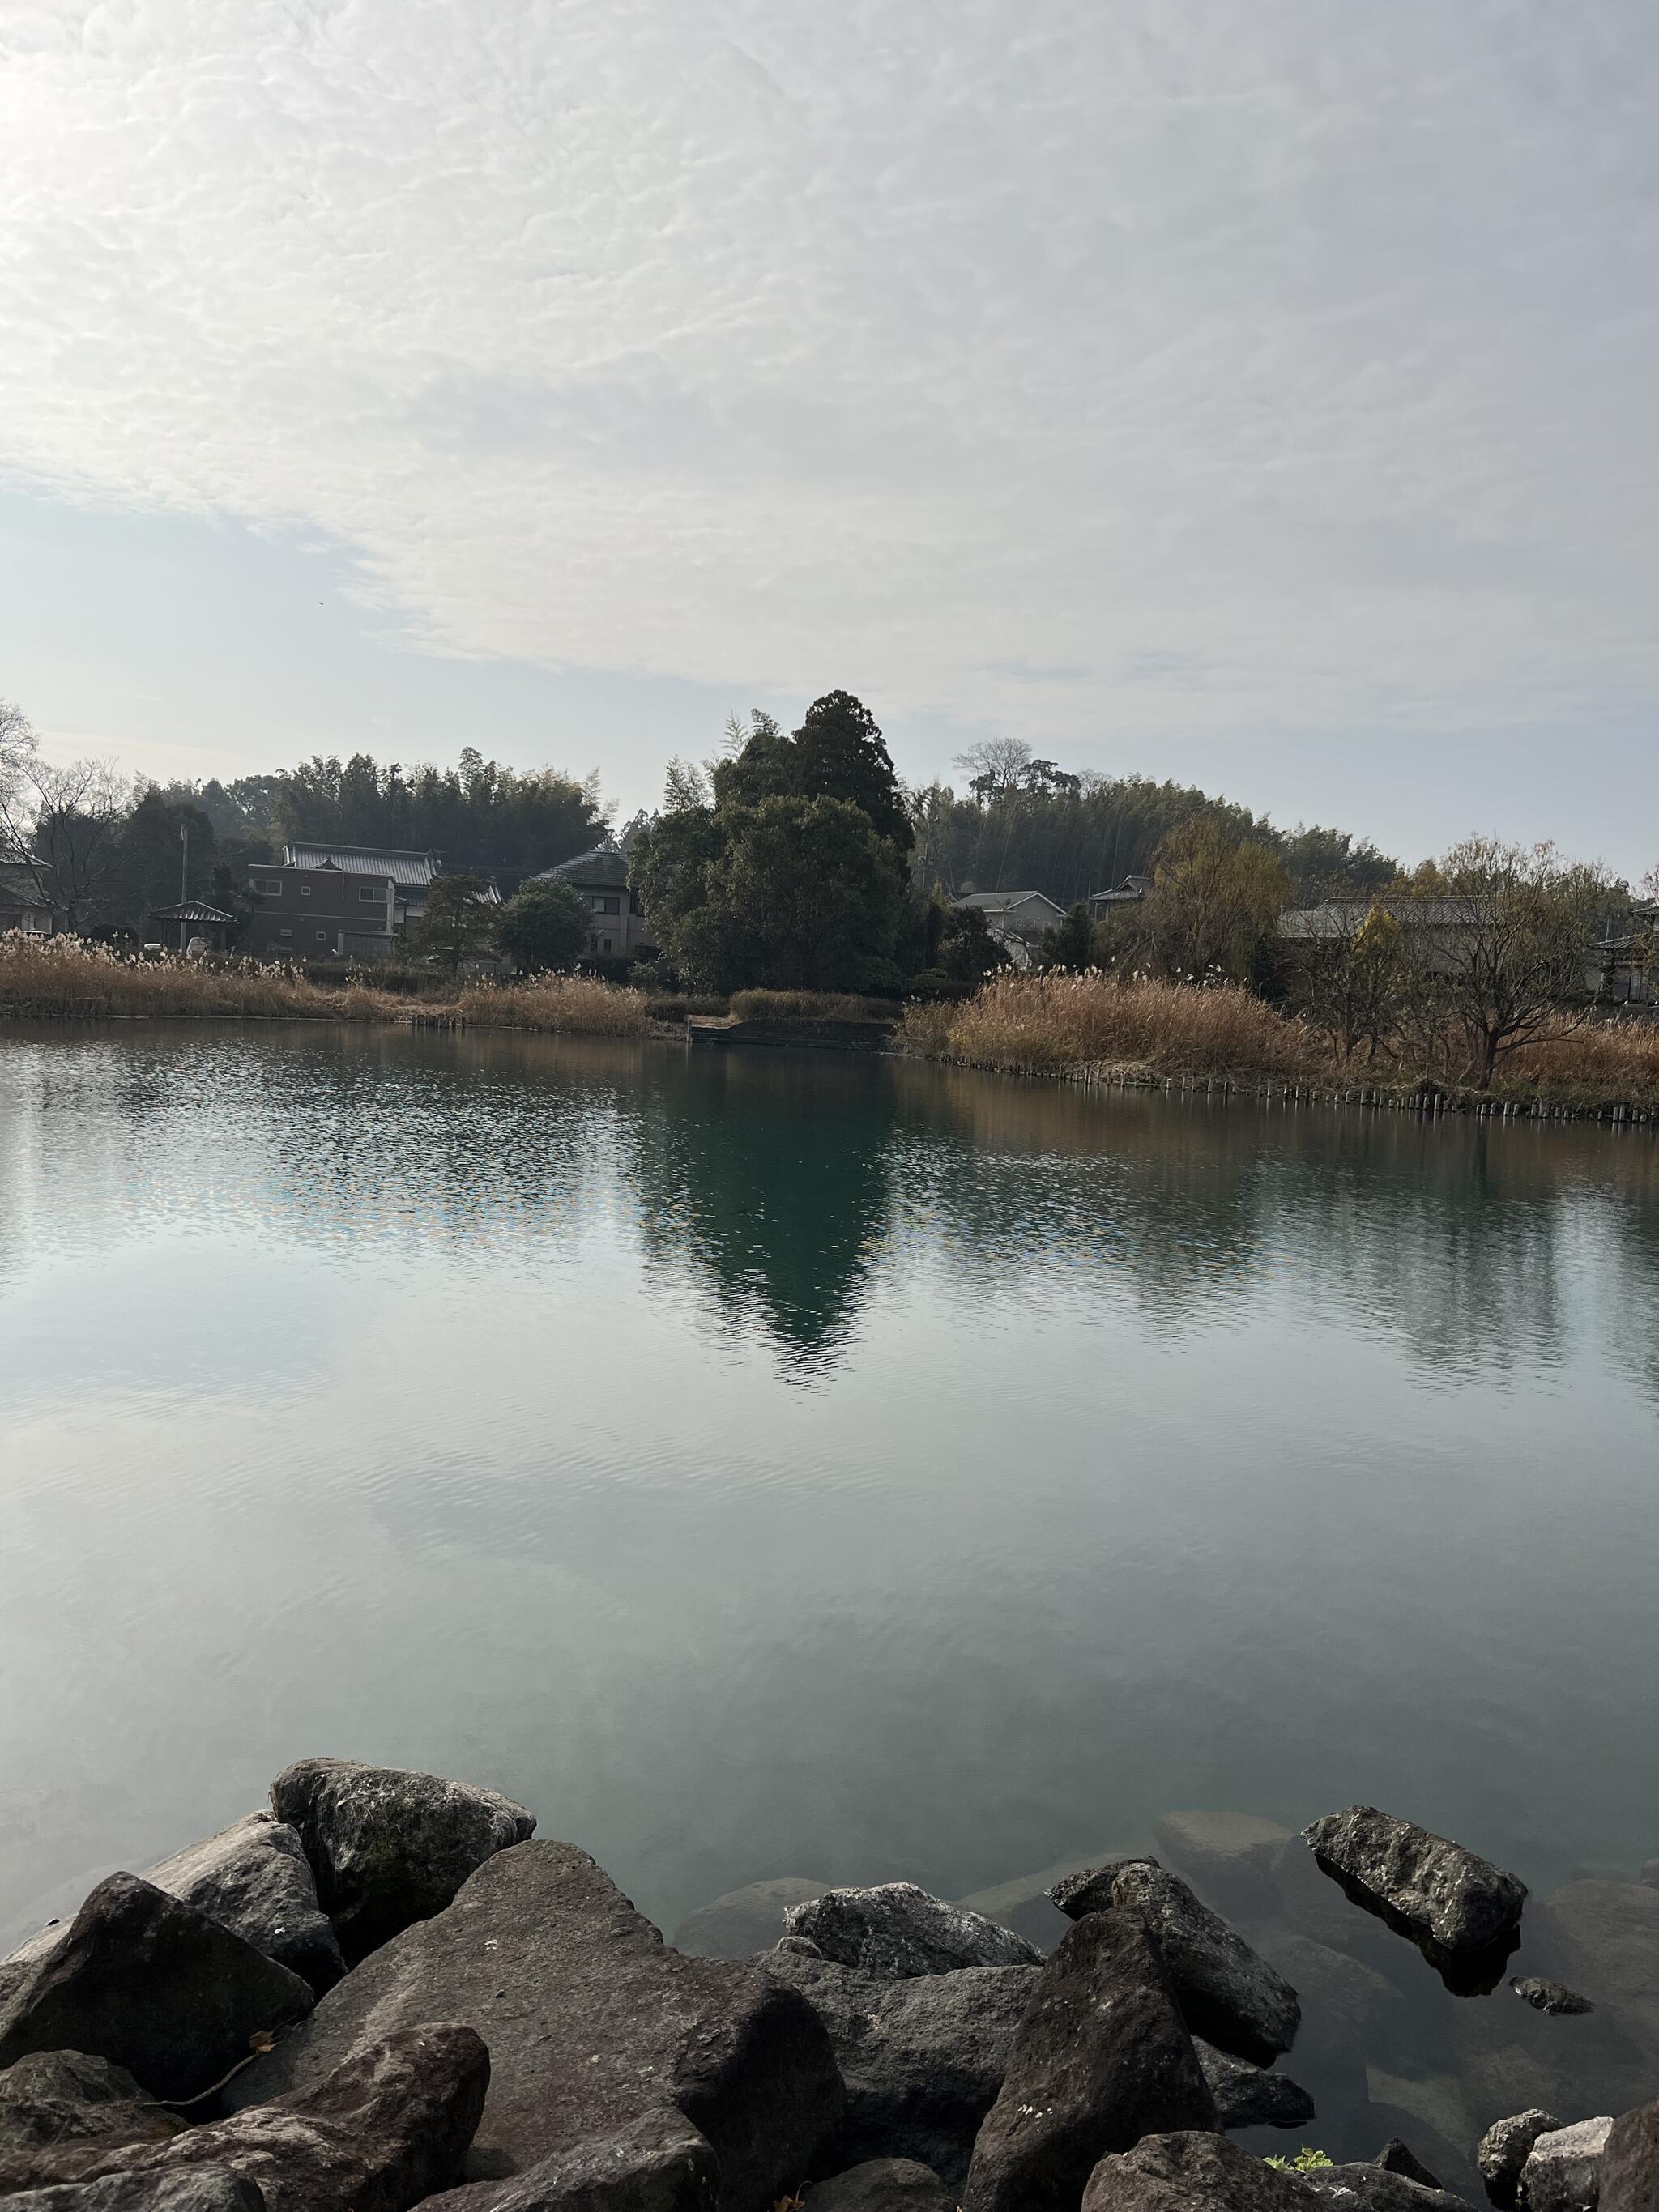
769	1464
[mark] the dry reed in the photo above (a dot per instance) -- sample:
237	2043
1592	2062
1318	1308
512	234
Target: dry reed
810	1006
1046	1023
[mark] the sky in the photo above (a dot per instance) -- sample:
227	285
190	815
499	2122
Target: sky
1261	395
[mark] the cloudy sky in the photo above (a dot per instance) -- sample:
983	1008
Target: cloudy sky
1261	392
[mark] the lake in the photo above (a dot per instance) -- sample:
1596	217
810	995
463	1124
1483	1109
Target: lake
779	1464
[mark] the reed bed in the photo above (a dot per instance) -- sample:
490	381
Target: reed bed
1044	1023
810	1006
63	978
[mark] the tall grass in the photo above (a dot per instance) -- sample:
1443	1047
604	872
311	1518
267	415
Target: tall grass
62	978
810	1006
1064	1021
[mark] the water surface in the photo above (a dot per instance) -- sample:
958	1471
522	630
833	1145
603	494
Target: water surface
765	1464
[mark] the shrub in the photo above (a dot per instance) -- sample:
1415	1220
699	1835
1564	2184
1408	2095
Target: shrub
809	1006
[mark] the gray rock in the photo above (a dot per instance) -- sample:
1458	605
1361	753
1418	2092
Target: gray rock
883	2184
52	2098
1248	2096
1364	2188
1460	1901
1191	2172
1506	2145
382	2131
152	1985
1545	1996
1101	2058
1397	2156
1630	2162
592	2024
208	2189
389	1848
1603	1937
899	1931
744	1920
659	2164
1649	1874
254	1879
1563	2171
922	2059
1229	1994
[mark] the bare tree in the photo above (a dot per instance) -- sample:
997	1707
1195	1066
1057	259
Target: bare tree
1348	977
63	824
998	765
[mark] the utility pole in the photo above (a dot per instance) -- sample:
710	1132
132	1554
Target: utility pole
184	877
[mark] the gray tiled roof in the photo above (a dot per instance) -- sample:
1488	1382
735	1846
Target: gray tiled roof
416	869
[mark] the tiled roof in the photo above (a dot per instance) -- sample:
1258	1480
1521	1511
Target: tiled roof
191	910
604	864
414	869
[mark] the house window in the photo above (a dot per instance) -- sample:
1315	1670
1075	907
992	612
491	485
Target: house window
606	946
285	933
603	905
305	890
268	887
371	891
322	936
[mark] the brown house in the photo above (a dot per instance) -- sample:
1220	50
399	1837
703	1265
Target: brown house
336	901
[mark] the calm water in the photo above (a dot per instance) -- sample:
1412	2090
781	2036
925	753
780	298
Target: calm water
766	1465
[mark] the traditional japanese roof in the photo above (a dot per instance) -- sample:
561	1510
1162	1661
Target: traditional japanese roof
1000	901
191	910
603	866
416	870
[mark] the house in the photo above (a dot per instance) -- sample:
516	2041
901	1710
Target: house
22	907
325	902
1436	930
1017	921
1130	892
1627	967
618	926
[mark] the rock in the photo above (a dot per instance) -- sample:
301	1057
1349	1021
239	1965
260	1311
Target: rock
1101	2058
68	2096
1396	2156
659	2164
898	1930
744	1920
922	2059
1229	1996
384	2130
592	2024
1248	2096
254	1879
1364	2188
1543	1996
1431	2151
208	2189
152	1985
1460	1901
1650	1873
1191	2173
1601	1936
1506	2145
1563	2171
389	1848
883	2184
1630	2162
1025	1905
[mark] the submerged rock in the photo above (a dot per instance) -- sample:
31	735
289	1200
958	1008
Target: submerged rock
1397	2156
254	1879
1563	2171
1101	2057
1248	2096
152	1985
744	1920
389	1848
593	2025
1545	1996
1228	1994
1462	1902
899	1931
1191	2172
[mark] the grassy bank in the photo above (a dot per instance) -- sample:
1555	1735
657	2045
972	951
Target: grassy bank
1093	1029
63	980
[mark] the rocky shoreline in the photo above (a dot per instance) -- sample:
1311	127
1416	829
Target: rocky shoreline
386	1990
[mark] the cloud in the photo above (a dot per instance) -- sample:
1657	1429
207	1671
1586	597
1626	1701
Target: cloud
1090	369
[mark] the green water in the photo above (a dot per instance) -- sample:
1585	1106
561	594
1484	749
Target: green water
772	1464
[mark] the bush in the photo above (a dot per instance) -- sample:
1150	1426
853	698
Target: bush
809	1006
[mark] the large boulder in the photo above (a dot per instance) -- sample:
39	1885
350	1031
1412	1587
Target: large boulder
1397	2156
1026	1904
1460	1902
899	1931
1363	2187
52	2098
659	2164
1505	2147
385	2129
1563	2171
1230	1994
592	2024
1191	2172
208	2189
922	2058
1630	2162
254	1879
1101	2058
744	1920
153	1986
389	1848
883	2184
1248	2096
